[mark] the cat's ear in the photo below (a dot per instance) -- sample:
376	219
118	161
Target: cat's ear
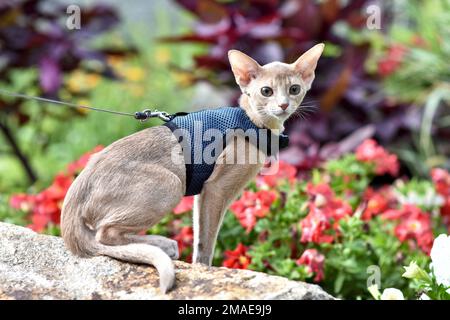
307	63
244	68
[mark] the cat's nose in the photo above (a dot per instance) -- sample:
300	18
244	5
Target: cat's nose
284	106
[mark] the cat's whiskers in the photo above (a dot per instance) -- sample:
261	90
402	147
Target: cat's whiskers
304	111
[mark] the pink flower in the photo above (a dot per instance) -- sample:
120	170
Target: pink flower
325	212
393	214
369	151
21	201
320	191
414	224
377	201
441	179
237	258
314	261
252	205
314	227
186	204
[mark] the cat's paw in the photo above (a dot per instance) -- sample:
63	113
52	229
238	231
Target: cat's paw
171	248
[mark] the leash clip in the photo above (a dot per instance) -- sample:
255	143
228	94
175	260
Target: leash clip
144	115
162	115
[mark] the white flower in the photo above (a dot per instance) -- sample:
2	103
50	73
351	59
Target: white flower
392	294
440	257
429	200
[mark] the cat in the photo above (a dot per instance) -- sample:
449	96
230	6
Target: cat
133	183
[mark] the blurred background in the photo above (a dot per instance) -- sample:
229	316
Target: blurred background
387	77
384	75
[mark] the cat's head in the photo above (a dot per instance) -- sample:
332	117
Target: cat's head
274	91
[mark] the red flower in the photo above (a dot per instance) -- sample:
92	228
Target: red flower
441	179
322	198
314	227
313	260
392	61
47	204
58	189
21	201
39	222
285	172
393	214
445	212
377	201
185	205
237	258
252	205
45	207
414	224
184	238
321	193
325	212
369	151
78	165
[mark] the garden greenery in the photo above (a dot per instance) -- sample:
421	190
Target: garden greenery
330	229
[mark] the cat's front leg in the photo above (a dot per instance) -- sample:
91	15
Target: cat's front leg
224	185
209	209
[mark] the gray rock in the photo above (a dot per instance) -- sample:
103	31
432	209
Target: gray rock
34	266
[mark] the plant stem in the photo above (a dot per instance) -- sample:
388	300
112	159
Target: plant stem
9	136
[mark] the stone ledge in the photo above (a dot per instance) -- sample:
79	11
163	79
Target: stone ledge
34	266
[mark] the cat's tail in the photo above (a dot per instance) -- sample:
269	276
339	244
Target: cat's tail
144	253
81	241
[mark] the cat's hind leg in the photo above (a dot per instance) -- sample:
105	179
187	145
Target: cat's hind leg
115	216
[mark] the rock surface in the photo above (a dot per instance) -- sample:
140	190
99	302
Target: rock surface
34	266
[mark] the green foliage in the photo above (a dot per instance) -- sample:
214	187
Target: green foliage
363	245
347	173
9	215
426	283
53	135
429	59
275	244
421	77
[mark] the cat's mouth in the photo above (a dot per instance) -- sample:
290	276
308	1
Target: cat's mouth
281	114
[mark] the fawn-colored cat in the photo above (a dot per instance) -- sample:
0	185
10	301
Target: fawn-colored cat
130	185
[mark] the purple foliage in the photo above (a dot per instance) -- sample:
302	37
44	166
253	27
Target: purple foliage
49	74
33	33
346	96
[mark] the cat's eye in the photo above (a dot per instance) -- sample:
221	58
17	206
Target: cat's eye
294	89
266	91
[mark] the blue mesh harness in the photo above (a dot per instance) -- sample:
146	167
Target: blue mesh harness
222	123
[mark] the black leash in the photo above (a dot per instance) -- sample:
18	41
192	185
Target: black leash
139	115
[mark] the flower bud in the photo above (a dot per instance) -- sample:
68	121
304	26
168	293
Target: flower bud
413	271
